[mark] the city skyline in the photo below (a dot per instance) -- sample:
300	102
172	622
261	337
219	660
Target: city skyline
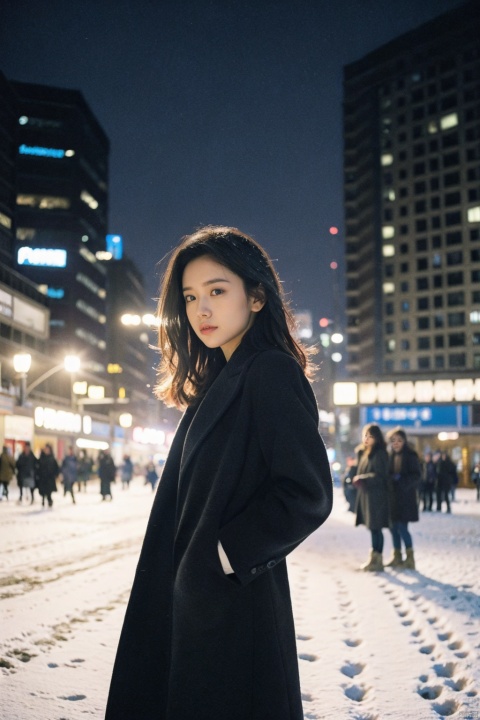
220	113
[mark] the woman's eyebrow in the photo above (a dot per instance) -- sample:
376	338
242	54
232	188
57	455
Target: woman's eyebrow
209	282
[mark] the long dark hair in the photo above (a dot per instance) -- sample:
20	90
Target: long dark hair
187	366
375	431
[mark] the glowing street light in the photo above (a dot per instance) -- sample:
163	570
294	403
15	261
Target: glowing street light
22	363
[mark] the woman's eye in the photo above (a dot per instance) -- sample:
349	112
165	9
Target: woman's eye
189	298
217	291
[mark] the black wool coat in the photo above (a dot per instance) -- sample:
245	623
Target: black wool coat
371	506
403	490
248	468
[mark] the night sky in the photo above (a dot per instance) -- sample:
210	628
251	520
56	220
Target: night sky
218	111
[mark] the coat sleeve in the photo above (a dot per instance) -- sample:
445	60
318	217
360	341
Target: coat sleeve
296	496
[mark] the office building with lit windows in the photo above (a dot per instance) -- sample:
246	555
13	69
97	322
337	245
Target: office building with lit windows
61	213
412	199
412	216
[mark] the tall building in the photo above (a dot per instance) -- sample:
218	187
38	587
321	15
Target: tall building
8	118
61	213
412	199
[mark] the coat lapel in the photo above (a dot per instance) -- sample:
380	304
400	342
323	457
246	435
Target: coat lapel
219	397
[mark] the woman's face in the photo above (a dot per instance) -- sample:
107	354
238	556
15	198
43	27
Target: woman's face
368	441
218	308
397	443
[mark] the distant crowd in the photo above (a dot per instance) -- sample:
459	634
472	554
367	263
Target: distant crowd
385	489
73	473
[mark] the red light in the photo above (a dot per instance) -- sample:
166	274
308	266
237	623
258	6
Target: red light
323	322
334	265
333	230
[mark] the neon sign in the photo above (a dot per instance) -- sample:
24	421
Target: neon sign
42	257
38	151
115	246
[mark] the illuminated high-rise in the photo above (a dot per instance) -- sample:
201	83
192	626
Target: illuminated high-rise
61	213
412	199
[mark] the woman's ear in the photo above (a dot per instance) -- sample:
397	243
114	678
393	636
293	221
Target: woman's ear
257	299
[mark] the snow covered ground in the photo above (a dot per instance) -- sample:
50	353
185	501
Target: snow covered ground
398	644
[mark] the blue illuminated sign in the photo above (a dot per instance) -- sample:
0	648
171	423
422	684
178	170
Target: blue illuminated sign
41	151
56	293
42	257
417	415
115	246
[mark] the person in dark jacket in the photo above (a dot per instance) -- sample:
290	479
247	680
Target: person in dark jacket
429	482
246	480
404	473
48	471
446	476
106	473
7	471
84	469
69	470
26	469
151	476
372	496
476	478
126	472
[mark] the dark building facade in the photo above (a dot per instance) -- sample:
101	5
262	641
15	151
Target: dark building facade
412	199
8	118
61	214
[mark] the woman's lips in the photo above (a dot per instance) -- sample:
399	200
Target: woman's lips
207	329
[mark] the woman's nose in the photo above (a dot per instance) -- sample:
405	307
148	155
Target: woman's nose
203	309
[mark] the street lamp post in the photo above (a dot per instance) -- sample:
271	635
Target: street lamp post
22	363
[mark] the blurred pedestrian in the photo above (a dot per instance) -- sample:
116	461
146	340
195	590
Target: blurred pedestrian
429	481
7	471
476	478
126	472
404	472
85	465
106	473
349	489
246	480
26	468
151	476
371	482
446	472
69	470
48	472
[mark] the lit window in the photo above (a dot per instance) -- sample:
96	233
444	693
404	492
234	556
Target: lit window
89	200
388	231
449	121
388	288
388	250
44	202
432	127
475	316
5	221
474	214
386	159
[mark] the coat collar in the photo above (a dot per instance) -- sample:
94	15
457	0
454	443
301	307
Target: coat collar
219	397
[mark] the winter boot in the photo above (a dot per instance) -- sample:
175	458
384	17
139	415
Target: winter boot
375	563
409	562
396	560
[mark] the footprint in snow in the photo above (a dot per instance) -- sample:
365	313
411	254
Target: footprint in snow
352	669
356	692
446	670
449	707
430	692
308	657
352	643
73	698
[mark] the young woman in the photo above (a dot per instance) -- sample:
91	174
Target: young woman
404	472
372	497
209	632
